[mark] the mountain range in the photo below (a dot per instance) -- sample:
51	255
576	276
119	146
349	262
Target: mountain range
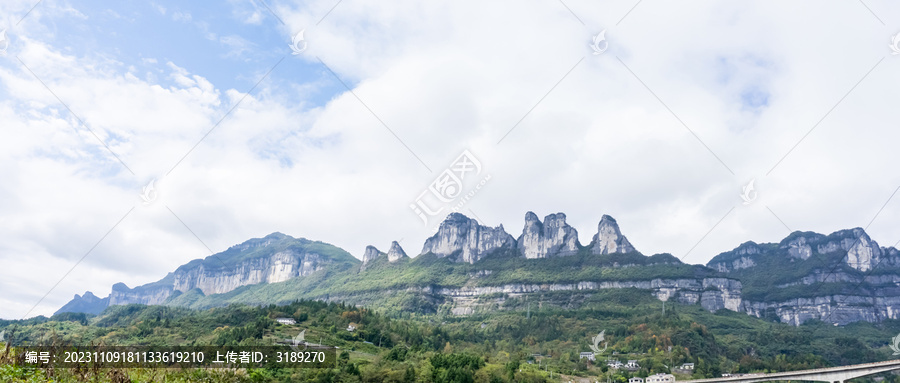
468	268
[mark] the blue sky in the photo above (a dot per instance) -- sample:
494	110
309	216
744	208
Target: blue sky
230	44
662	131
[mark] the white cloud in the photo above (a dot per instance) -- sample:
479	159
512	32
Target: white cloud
248	12
237	46
204	29
448	77
159	8
182	16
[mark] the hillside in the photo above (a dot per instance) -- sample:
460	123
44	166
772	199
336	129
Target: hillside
464	268
428	284
840	278
503	346
274	258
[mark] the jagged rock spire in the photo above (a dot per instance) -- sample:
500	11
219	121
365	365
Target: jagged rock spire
368	256
396	252
552	237
464	239
609	238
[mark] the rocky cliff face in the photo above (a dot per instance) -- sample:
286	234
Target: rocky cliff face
368	256
837	309
278	258
744	258
396	253
800	247
609	238
840	278
278	267
464	240
862	253
155	295
552	237
712	293
274	258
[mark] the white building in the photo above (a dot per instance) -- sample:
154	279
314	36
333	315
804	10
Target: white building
632	365
351	327
287	321
660	378
636	380
615	364
686	366
587	355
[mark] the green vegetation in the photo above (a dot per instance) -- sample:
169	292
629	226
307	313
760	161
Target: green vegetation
777	276
516	345
408	285
413	336
277	242
403	286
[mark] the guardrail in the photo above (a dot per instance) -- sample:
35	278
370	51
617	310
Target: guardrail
849	367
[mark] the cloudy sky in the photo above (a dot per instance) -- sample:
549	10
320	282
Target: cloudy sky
245	126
